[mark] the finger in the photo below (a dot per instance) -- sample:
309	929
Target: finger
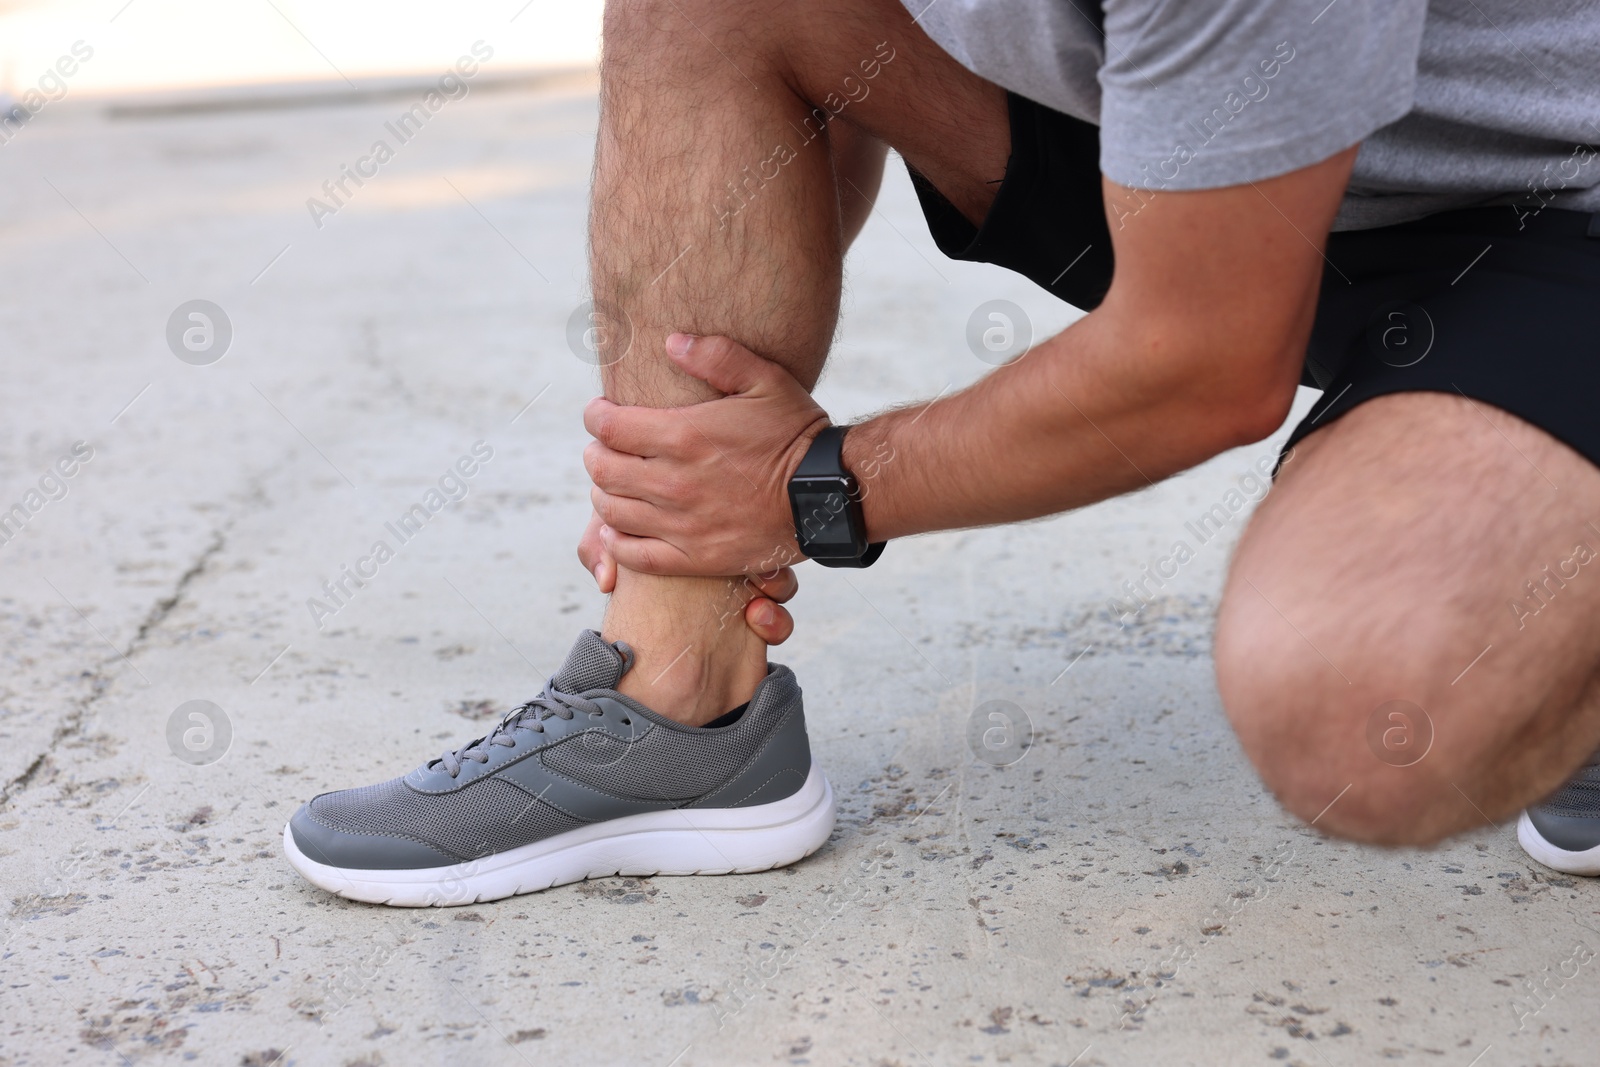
771	623
648	555
627	515
589	547
780	585
635	430
620	473
593	556
721	362
605	568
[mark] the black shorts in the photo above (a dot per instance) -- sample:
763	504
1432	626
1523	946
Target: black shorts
1498	304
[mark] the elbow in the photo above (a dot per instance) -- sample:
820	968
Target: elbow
1257	413
1250	401
1223	394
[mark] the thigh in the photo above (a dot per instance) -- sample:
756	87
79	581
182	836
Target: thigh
946	122
1429	549
861	63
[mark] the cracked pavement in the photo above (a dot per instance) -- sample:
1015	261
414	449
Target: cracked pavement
1123	894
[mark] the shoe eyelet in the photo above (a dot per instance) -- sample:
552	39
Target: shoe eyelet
627	722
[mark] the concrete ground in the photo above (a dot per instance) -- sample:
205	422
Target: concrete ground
1124	893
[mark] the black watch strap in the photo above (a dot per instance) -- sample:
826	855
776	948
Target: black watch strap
866	559
825	456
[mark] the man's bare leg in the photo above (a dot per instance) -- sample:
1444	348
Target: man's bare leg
717	210
1422	556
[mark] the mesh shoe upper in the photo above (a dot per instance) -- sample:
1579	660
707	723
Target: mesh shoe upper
1579	798
1570	817
658	765
580	753
491	817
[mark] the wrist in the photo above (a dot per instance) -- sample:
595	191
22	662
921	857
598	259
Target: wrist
869	456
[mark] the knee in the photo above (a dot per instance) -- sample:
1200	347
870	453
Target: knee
629	29
1355	754
661	28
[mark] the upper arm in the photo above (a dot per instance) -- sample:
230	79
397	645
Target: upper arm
1225	277
1225	135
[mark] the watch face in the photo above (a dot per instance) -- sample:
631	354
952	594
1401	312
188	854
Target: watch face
821	518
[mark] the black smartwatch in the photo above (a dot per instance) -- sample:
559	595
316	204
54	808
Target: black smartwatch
826	500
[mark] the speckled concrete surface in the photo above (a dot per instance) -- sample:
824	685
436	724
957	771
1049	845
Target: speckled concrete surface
1122	894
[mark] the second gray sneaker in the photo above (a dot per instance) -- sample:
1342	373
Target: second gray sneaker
1563	830
579	782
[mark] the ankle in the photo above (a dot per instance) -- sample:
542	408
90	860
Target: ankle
695	658
694	689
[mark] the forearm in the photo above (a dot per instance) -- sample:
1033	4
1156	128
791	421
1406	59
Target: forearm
1197	348
1105	407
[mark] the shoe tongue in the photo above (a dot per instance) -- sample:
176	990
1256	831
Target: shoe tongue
593	663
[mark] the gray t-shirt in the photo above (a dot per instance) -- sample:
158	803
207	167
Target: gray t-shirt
1455	102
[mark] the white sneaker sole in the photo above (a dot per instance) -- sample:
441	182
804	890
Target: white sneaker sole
682	841
1533	843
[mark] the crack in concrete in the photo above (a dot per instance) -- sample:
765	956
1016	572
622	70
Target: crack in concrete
99	682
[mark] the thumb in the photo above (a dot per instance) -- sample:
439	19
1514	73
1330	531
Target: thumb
594	557
720	362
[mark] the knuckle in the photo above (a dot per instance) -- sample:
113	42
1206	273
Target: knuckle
604	428
681	440
678	490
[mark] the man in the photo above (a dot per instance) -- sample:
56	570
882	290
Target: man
1391	201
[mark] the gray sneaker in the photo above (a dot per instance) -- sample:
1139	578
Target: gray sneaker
579	782
1563	832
